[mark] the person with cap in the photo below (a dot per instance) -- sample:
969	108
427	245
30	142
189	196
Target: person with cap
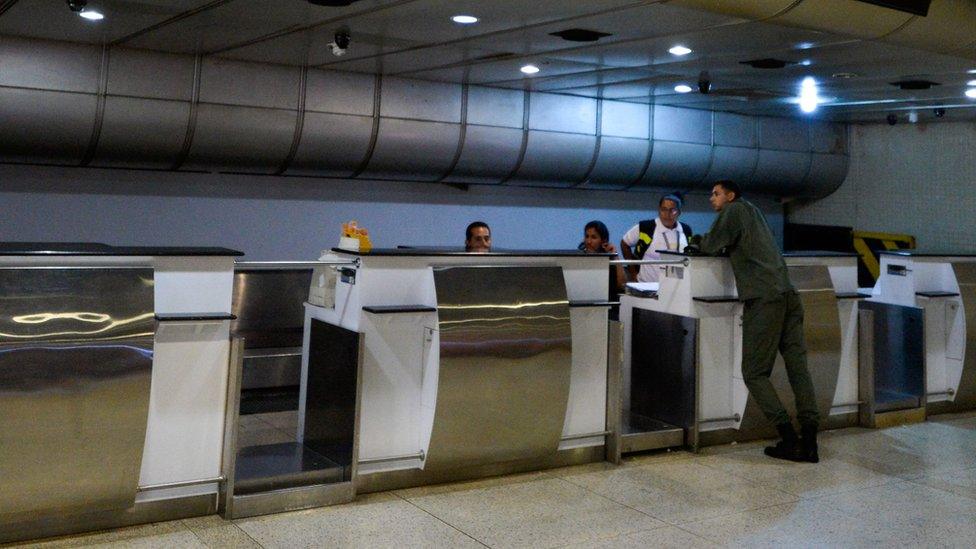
772	317
647	238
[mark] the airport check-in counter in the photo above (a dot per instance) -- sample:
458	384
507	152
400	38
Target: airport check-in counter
682	352
923	308
471	364
113	378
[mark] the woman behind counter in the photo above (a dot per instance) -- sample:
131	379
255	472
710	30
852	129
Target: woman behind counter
596	239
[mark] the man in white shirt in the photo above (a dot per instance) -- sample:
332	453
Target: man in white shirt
646	239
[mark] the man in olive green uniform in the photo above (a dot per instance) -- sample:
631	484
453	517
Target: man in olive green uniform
772	318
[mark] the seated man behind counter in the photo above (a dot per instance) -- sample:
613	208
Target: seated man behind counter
772	317
477	238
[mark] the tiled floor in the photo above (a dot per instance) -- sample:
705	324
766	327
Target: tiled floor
906	486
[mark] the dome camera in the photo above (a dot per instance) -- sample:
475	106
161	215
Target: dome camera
939	113
340	43
892	119
704	82
77	5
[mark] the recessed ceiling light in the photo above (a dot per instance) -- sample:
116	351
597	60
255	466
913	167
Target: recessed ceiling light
804	45
971	93
682	88
679	50
92	15
529	69
464	19
971	71
806	62
808	95
971	83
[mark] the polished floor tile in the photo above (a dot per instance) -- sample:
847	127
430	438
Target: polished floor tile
547	512
962	483
680	491
214	531
834	473
377	522
162	535
669	537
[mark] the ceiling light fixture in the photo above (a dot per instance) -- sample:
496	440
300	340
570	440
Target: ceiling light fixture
529	69
971	83
679	50
464	19
971	71
808	95
971	93
682	88
806	62
804	45
92	15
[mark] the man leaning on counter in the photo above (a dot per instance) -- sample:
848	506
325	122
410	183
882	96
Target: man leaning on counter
772	317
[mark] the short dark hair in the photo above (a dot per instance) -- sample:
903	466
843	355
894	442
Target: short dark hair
731	187
475	225
599	227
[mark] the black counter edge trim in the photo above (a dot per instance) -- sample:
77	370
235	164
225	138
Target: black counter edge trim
421	252
937	294
593	303
852	295
191	317
395	309
717	299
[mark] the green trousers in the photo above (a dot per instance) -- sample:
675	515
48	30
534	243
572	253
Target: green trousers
769	326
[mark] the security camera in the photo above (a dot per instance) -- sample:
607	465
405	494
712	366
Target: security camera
892	119
939	113
704	82
341	43
77	5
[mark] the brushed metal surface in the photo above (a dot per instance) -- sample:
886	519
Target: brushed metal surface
783	170
268	306
828	138
619	162
735	163
555	159
736	130
241	138
620	119
784	134
413	150
505	362
677	163
821	327
140	132
76	351
892	358
488	155
966	395
663	384
682	125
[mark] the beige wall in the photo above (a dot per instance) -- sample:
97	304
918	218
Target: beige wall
917	179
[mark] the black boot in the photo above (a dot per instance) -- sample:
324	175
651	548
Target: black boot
808	443
788	447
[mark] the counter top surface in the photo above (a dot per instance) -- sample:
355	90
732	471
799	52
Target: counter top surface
99	249
457	252
812	253
909	253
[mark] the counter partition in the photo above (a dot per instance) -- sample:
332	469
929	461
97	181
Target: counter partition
473	364
682	381
942	287
112	384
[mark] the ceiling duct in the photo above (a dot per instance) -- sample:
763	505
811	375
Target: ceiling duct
75	105
946	29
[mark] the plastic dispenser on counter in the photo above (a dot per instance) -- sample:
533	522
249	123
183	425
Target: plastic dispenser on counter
325	277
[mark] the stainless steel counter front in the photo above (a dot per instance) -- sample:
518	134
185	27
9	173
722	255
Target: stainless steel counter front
505	358
76	347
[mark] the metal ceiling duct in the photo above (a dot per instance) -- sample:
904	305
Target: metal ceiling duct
71	104
947	29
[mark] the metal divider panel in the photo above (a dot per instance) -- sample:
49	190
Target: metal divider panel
505	363
965	398
76	351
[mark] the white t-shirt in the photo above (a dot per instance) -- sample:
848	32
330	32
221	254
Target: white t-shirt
662	239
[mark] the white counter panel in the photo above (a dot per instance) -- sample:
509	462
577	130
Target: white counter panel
187	402
194	284
587	405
